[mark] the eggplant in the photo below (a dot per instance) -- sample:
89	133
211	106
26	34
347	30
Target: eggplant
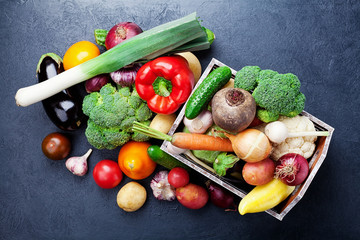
64	108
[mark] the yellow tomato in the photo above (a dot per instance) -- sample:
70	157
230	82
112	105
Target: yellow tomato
80	52
134	160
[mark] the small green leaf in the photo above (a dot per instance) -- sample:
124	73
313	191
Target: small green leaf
100	36
223	162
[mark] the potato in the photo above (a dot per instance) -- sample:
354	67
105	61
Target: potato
194	64
162	122
192	196
259	173
131	197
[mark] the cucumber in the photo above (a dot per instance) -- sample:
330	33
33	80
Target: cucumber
201	97
164	159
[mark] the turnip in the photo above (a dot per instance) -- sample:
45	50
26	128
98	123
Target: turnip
292	169
233	109
277	132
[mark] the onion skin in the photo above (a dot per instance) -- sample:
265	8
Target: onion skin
121	32
219	196
96	83
292	169
125	76
250	145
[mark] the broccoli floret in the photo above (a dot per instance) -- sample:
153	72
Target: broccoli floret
266	116
246	78
266	74
111	113
279	95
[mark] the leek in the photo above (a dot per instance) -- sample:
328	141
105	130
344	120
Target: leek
146	45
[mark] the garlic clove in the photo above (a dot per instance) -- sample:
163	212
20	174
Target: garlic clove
162	190
78	165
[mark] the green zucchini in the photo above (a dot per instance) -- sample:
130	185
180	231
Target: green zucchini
164	159
201	97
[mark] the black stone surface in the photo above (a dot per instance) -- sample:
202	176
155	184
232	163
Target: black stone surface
319	41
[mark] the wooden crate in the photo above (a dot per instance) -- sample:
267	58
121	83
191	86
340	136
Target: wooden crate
282	209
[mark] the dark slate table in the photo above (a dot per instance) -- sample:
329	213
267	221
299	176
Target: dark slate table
317	40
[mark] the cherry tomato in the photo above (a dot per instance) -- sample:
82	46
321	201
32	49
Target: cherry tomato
107	174
56	146
178	177
80	52
134	160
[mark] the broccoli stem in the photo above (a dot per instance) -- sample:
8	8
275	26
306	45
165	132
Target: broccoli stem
148	131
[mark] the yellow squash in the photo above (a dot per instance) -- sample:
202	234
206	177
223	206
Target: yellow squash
264	197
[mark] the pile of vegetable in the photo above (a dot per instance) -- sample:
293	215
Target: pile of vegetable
133	92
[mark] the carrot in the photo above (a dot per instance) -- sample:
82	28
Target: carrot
197	141
191	141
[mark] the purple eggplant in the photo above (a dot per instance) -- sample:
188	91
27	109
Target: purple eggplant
64	108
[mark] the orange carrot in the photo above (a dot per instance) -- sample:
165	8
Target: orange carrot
191	141
196	141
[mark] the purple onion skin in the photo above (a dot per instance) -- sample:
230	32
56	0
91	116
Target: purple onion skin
96	83
125	76
219	196
121	32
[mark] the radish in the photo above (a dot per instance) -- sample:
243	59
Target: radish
292	169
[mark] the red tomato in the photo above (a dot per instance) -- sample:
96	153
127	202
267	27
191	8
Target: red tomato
178	177
107	174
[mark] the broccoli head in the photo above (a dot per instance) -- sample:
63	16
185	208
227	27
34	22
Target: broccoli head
111	113
275	94
246	78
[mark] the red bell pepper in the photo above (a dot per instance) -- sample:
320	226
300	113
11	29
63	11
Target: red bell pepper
165	83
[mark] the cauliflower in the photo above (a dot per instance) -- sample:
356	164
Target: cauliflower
305	146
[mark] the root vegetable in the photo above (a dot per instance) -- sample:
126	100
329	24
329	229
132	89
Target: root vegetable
292	169
250	145
78	165
194	64
125	76
259	173
233	109
191	141
131	197
277	132
163	122
121	32
200	124
219	196
94	84
192	196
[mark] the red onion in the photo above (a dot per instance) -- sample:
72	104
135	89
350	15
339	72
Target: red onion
120	32
96	83
219	196
125	76
292	169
